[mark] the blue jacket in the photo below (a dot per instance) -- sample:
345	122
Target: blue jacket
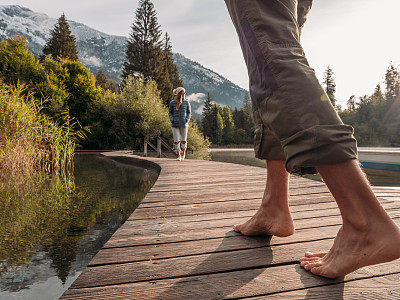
180	117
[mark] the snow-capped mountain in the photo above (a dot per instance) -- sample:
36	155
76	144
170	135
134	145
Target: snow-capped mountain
199	80
98	50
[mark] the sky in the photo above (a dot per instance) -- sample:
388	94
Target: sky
358	39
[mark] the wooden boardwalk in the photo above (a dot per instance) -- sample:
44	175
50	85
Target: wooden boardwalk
179	243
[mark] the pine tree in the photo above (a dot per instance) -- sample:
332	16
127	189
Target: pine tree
351	103
144	46
377	97
330	85
104	83
247	104
173	70
207	117
163	79
228	131
169	78
219	127
392	81
61	43
101	80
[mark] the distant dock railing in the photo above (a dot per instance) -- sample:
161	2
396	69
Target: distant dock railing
160	142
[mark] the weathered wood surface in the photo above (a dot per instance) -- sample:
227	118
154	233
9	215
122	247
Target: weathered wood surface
179	243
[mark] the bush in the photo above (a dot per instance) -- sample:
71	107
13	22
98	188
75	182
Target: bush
122	121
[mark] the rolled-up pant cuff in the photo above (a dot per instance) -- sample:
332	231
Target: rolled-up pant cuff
317	146
266	144
295	119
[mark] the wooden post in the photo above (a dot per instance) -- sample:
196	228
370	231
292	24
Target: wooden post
159	146
145	147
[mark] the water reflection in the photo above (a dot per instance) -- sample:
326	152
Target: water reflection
51	227
246	157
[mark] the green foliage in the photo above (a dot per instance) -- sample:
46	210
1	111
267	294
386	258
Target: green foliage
60	86
376	118
224	127
351	103
145	100
169	78
207	122
144	45
148	56
229	126
392	80
219	128
125	119
244	123
122	121
61	43
29	140
81	86
196	141
330	85
18	64
104	83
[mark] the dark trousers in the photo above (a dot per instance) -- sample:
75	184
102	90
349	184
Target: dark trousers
295	119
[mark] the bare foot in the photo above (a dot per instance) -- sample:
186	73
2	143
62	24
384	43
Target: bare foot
273	217
354	249
268	223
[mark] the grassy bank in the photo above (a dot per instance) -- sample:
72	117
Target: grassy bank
29	140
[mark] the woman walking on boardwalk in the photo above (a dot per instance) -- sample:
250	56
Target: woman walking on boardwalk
179	114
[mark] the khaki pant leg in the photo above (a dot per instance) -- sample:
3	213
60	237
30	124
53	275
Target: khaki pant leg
284	89
266	145
303	8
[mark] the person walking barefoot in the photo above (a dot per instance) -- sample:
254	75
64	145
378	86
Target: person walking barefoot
299	131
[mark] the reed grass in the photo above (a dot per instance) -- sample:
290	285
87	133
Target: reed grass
29	140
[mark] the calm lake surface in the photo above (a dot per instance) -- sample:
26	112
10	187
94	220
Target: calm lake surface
246	157
52	227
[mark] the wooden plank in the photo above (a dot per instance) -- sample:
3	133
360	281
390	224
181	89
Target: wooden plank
187	266
187	186
233	285
377	287
186	223
330	217
214	207
189	248
307	234
218	195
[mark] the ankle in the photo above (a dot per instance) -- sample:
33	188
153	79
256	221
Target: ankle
275	201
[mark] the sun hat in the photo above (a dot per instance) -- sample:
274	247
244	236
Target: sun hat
178	90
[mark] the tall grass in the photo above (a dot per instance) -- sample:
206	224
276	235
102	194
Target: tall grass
29	140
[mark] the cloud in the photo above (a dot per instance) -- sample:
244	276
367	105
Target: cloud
196	97
199	110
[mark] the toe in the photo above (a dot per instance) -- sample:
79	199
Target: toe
311	265
236	228
311	254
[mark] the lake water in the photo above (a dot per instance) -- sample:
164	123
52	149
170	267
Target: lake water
246	157
52	227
